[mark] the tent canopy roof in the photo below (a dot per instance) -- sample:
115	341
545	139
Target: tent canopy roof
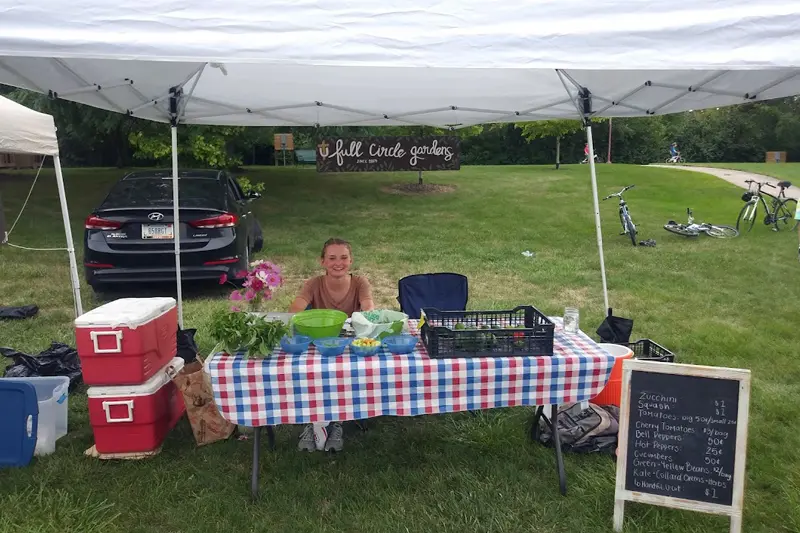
23	130
450	62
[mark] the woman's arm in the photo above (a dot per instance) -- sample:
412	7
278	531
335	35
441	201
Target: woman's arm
365	295
305	297
299	304
367	304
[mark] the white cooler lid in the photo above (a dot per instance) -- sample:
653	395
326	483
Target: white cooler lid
126	312
156	381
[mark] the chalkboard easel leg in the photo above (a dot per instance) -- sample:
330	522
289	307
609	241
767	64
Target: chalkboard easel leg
619	514
254	477
562	475
736	523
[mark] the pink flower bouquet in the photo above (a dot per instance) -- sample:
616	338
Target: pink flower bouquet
259	284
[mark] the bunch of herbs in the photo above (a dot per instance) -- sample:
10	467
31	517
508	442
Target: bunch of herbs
250	333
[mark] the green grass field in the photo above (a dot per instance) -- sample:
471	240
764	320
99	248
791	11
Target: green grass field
725	303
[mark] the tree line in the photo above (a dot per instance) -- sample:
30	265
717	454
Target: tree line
743	133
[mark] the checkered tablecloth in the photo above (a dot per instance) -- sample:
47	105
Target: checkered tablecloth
306	388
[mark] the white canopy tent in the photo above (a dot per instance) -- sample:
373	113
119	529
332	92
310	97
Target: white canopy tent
449	63
25	131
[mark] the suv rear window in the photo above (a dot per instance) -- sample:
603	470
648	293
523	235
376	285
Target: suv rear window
157	192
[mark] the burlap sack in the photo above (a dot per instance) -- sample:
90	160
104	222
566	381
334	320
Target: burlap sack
207	423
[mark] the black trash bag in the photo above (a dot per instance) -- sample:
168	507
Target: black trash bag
616	330
591	430
58	360
187	347
26	311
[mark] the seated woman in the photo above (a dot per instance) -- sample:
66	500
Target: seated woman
336	289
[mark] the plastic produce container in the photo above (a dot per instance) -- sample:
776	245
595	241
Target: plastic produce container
51	397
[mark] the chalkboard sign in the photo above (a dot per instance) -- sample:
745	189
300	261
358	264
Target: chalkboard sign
683	431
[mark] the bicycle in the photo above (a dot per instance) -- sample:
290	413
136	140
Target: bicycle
628	227
780	211
677	159
692	229
597	159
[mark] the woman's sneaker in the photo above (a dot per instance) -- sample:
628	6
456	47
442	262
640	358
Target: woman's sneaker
306	443
335	441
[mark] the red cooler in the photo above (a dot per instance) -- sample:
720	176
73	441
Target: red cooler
126	341
129	419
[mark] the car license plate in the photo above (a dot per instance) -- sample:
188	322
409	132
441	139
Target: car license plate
157	231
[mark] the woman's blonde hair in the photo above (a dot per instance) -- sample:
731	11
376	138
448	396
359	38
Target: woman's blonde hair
333	241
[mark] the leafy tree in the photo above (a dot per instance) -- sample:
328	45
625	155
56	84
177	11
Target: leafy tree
551	128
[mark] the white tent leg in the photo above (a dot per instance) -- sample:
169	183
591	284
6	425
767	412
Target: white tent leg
596	200
73	264
176	226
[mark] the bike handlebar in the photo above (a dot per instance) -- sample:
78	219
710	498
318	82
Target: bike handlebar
760	183
620	192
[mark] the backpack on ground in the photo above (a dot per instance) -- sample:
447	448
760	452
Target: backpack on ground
590	430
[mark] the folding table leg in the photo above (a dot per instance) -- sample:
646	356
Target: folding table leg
256	448
271	437
535	425
562	474
552	423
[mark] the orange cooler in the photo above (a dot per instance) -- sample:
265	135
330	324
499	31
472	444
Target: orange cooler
612	393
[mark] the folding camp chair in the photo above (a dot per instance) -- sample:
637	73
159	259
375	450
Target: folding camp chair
445	291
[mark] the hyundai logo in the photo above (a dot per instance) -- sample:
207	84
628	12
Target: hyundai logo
155	217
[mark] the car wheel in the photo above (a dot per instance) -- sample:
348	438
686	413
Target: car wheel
258	239
99	289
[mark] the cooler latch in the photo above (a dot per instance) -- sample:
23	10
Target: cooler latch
127	403
94	335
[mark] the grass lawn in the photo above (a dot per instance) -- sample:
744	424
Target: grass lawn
726	303
783	171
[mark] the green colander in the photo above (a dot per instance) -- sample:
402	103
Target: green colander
319	323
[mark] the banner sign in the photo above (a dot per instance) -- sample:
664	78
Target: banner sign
387	154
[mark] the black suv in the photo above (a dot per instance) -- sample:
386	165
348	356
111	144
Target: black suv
129	237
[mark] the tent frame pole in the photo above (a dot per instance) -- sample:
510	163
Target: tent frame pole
73	264
596	201
176	218
583	105
176	225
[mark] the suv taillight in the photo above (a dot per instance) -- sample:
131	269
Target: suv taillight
225	220
94	222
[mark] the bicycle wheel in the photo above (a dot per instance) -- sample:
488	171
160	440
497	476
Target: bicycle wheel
722	232
680	229
631	229
784	214
747	217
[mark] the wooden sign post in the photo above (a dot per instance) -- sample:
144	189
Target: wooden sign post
683	438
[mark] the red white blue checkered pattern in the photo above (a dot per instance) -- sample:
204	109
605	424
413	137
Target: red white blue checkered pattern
306	388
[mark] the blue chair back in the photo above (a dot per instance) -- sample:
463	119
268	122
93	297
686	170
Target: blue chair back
445	291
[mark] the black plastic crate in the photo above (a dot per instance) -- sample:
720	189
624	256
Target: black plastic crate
647	350
522	331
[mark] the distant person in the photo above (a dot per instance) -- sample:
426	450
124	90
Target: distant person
674	153
586	154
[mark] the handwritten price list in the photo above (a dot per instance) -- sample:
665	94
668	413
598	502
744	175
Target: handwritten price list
682	437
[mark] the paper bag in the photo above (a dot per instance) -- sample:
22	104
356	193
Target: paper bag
208	425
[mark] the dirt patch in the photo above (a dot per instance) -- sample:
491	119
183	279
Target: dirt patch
418	189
